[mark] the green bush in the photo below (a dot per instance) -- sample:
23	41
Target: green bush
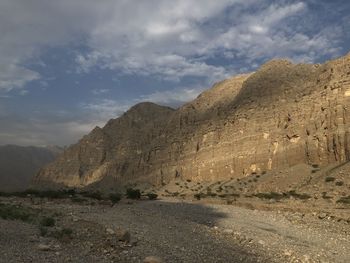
271	195
43	231
344	200
152	196
13	212
339	183
133	193
298	196
198	196
329	179
76	199
115	197
94	195
48	222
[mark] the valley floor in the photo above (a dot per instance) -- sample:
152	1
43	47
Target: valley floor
175	231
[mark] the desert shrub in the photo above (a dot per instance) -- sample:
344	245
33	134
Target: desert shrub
52	194
315	165
13	212
175	194
229	202
198	196
56	233
325	196
339	183
133	193
43	231
329	179
152	196
76	199
297	195
263	172
344	200
65	233
271	195
93	195
71	192
189	180
115	197
177	183
47	221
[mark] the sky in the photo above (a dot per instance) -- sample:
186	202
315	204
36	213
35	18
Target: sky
67	66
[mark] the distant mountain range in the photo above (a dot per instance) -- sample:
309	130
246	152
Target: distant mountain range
19	164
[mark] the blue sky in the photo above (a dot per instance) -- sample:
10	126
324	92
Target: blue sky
69	65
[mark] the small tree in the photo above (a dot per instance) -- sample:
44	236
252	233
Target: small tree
133	193
115	197
152	196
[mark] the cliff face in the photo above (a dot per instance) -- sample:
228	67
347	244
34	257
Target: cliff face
283	114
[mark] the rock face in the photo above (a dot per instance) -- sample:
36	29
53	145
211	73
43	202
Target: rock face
19	164
282	115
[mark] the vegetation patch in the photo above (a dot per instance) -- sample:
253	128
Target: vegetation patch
279	196
133	193
52	194
14	212
344	200
93	195
152	196
115	197
339	183
48	222
329	179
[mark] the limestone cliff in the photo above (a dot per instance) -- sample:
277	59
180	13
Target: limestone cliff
283	114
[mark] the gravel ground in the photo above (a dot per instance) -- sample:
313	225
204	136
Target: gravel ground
178	231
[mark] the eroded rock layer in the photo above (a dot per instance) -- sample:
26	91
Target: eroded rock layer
282	115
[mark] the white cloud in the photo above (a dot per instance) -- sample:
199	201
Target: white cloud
155	37
13	76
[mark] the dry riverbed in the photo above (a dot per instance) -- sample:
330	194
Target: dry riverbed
173	230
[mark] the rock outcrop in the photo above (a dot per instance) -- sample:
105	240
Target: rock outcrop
282	115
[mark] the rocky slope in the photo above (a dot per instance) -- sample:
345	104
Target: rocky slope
19	164
280	116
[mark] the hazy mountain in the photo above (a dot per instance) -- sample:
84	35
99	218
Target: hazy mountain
18	164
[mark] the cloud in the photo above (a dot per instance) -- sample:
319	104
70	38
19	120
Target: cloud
13	76
168	39
273	32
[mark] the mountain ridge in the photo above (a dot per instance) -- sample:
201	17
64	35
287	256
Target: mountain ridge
297	113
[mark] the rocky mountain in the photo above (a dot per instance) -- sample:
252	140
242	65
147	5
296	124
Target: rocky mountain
282	115
19	164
